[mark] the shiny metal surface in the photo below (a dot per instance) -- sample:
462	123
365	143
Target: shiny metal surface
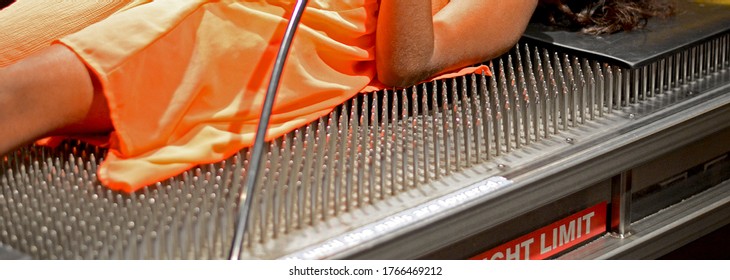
694	23
665	231
621	204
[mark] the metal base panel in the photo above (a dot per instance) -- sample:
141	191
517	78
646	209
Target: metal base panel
666	230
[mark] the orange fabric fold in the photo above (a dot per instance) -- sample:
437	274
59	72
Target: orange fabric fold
31	25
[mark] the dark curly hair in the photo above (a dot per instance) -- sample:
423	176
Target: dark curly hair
5	3
602	16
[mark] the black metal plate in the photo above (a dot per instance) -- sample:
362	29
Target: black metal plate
693	24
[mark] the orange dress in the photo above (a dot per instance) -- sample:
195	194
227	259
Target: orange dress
185	79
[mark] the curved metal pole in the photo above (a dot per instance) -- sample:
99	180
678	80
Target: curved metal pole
252	176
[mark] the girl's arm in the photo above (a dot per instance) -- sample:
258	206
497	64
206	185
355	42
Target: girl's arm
412	45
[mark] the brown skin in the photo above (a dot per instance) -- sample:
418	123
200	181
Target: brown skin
43	93
412	45
52	92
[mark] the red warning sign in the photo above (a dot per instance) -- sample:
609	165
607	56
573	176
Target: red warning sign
552	239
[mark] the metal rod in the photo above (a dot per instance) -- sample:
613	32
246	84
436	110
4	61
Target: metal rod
259	141
621	204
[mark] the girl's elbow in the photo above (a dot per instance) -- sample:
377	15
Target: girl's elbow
400	74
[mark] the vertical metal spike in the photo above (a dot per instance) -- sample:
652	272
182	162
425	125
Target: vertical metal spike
622	92
363	150
514	93
626	89
716	52
436	120
341	157
579	90
394	144
662	75
506	108
536	110
714	57
267	191
717	66
644	91
291	182
373	146
523	96
565	93
701	61
692	63
592	88
306	208
414	138
721	52
685	67
551	95
282	156
670	72
544	93
610	92
426	127
332	141
495	94
305	192
352	154
279	154
404	139
635	88
384	143
476	118
295	183
486	108
723	46
708	58
446	122
457	123
317	198
677	68
467	127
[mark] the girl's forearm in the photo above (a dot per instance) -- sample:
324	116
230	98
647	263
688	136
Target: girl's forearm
42	93
405	41
412	44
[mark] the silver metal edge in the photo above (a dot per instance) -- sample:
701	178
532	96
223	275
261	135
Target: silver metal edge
666	230
392	223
